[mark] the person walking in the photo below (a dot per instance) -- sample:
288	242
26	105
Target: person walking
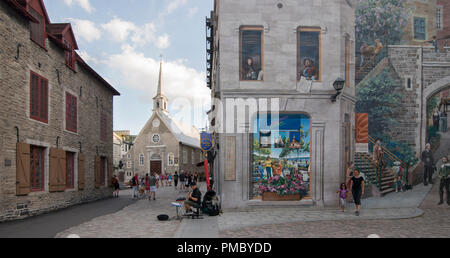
153	184
343	195
175	180
357	189
135	186
444	175
429	165
116	186
182	179
147	184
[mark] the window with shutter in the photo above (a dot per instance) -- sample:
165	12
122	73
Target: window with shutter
70	168
37	29
38	98
71	113
37	168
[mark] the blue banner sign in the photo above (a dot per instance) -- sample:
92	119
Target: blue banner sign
206	141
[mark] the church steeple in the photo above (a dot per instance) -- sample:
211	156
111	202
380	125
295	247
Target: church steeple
160	101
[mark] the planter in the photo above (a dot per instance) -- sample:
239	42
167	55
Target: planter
268	196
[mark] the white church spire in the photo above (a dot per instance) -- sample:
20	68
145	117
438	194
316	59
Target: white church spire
160	101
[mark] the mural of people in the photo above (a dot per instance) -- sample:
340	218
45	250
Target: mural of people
251	72
436	119
309	70
286	157
378	155
251	55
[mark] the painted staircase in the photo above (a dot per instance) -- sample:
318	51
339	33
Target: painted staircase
365	164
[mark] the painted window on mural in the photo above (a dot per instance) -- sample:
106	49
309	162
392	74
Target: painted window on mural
309	54
281	156
171	159
419	28
251	56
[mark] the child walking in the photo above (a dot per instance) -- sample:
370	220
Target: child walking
343	195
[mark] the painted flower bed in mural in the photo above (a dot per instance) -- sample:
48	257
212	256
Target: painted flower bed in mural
288	185
281	155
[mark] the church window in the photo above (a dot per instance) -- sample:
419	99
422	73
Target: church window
141	160
185	156
171	159
156	138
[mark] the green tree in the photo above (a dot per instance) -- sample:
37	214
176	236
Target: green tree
380	19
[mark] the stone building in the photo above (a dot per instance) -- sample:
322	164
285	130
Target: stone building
164	145
56	114
422	24
285	55
123	140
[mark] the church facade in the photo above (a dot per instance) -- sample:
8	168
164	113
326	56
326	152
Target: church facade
165	145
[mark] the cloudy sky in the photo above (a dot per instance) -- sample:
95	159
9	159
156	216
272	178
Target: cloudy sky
123	41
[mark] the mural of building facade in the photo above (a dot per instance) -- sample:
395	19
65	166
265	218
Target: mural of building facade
286	54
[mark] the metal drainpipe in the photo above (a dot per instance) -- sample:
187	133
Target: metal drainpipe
421	100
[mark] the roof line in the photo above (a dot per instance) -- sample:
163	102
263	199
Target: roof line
103	81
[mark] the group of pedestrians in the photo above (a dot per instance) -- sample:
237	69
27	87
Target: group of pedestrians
150	183
355	185
443	173
186	179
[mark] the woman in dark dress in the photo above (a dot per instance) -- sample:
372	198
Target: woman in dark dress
357	189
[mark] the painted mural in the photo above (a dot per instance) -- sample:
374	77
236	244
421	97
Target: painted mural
309	42
281	155
251	55
438	107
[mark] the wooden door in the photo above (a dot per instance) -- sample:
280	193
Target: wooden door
156	166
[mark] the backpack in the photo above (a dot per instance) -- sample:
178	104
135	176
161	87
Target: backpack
133	181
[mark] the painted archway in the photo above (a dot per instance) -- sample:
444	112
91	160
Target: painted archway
428	94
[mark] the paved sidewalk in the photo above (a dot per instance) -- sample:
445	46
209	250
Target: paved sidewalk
391	207
138	220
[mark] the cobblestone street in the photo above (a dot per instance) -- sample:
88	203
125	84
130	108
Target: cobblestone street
435	222
138	220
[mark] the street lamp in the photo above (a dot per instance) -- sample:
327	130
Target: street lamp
338	86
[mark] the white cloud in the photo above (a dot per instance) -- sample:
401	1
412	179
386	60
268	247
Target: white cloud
85	4
139	72
87	58
192	11
128	32
162	42
85	29
175	4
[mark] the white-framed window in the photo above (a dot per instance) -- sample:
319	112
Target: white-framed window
171	159
129	156
185	156
141	160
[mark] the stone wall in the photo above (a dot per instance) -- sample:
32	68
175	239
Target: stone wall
93	98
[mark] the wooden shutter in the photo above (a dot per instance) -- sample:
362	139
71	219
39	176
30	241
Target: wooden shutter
80	171
110	172
97	172
22	169
57	176
44	100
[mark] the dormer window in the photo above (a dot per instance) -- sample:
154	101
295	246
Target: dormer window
70	60
37	30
